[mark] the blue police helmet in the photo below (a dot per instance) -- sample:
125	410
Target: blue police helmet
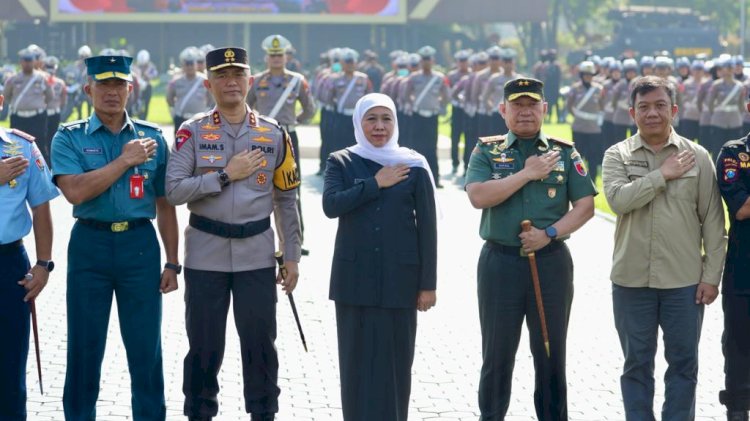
630	64
698	65
647	61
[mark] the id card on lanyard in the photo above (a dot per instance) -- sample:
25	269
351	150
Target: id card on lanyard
136	185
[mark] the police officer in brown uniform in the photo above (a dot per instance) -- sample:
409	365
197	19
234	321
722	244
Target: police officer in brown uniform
233	167
484	118
187	94
690	112
457	111
27	94
275	93
426	97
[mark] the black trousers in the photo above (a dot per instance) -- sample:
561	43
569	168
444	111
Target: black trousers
343	132
471	137
376	352
705	133
177	123
591	149
689	129
735	344
325	121
207	297
424	141
719	136
506	298
457	129
619	132
45	146
295	145
404	130
35	126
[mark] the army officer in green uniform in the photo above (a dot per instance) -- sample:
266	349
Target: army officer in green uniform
525	175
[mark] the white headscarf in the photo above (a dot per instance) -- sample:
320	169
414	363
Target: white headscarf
390	153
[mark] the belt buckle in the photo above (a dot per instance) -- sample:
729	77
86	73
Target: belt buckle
119	226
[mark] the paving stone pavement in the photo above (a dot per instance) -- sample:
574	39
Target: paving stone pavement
448	352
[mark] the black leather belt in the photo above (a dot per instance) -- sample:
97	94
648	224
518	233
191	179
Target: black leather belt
10	247
121	226
554	245
223	229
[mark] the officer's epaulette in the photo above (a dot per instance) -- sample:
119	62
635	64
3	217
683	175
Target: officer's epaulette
270	120
147	124
737	143
200	116
72	125
561	142
23	135
488	140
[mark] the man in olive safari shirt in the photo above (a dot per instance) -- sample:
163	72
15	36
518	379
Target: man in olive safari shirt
669	251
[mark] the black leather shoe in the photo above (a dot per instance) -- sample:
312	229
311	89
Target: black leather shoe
262	417
737	416
305	252
199	418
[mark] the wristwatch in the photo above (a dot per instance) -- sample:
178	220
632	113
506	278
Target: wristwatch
174	267
223	178
48	265
551	232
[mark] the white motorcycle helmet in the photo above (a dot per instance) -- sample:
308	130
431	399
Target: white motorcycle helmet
142	58
84	51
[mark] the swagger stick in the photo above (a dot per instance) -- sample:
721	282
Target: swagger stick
279	255
32	308
526	226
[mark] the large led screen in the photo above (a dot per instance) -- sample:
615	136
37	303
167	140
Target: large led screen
259	11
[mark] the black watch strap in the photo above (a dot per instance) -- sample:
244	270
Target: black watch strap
223	178
48	265
174	267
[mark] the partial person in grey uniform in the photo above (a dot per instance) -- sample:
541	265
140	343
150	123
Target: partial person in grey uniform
343	90
585	104
690	113
27	94
275	93
233	168
426	97
457	110
54	107
187	95
471	122
726	102
492	95
483	118
608	126
621	119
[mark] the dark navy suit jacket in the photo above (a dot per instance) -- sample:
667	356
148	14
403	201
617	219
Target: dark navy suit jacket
386	244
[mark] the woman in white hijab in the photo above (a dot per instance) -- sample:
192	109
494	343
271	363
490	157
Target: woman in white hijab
384	262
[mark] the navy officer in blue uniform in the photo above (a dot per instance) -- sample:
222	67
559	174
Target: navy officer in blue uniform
733	173
112	169
25	181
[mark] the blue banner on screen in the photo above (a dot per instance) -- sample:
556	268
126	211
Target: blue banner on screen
302	11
